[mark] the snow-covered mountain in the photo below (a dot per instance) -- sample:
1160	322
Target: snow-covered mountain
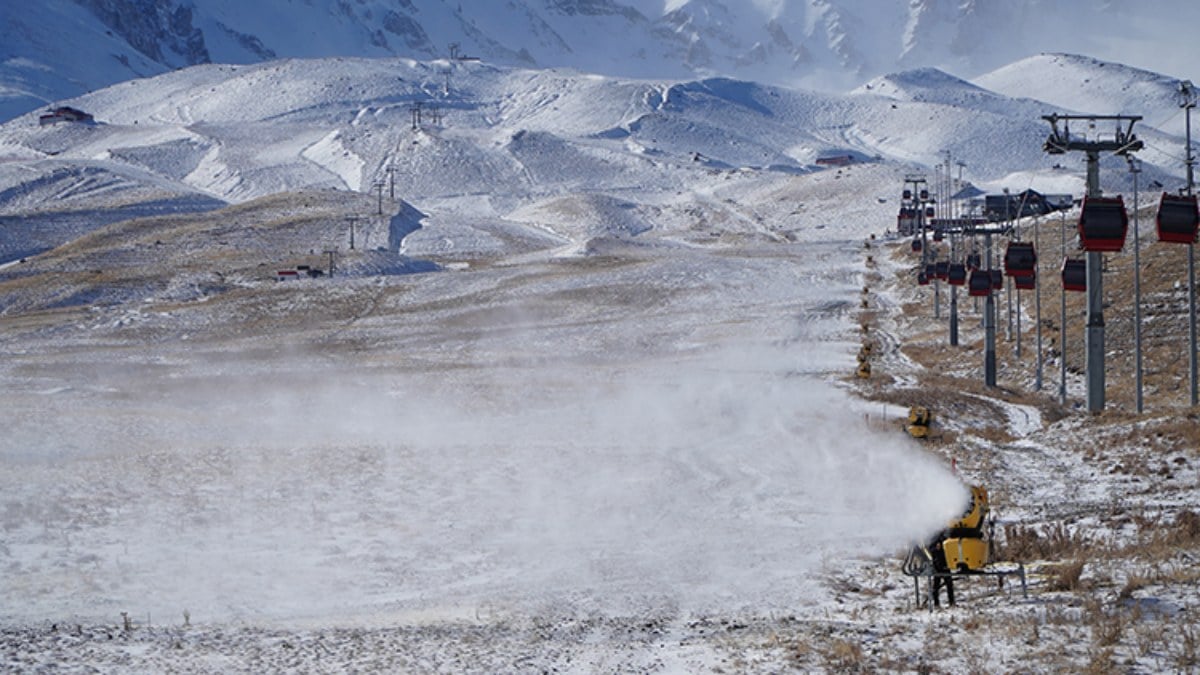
580	156
241	132
62	48
1069	81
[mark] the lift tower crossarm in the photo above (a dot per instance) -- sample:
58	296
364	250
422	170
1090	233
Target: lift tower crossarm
1123	142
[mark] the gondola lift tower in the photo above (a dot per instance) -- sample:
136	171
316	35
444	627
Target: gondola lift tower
1123	142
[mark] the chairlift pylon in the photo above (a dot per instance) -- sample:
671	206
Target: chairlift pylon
997	279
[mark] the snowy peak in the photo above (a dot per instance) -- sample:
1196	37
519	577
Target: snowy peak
921	84
1073	83
62	49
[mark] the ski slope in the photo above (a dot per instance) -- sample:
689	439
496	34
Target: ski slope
579	398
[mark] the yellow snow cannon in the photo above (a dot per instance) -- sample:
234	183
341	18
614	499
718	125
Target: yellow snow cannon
864	369
958	552
965	549
919	419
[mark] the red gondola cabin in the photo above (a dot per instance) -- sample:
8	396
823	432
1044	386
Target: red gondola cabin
979	285
942	270
1025	283
1103	223
997	279
956	274
1020	260
1074	274
1177	219
922	280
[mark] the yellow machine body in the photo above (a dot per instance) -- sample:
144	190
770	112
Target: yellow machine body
976	512
965	548
919	419
919	414
965	553
864	369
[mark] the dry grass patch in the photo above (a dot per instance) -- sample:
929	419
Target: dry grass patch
1101	662
1067	576
1182	532
1107	626
844	656
1133	583
1052	542
1186	649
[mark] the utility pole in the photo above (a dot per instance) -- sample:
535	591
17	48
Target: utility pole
960	226
415	111
1123	142
937	287
379	188
391	172
940	208
1037	302
953	297
1008	222
353	220
1135	168
951	227
1062	320
1187	101
989	321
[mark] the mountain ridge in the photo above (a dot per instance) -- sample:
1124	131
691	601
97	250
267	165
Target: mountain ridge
63	48
517	134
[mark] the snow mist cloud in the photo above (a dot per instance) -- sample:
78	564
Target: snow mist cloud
718	482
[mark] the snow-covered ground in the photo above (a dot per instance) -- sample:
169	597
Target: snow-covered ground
580	398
